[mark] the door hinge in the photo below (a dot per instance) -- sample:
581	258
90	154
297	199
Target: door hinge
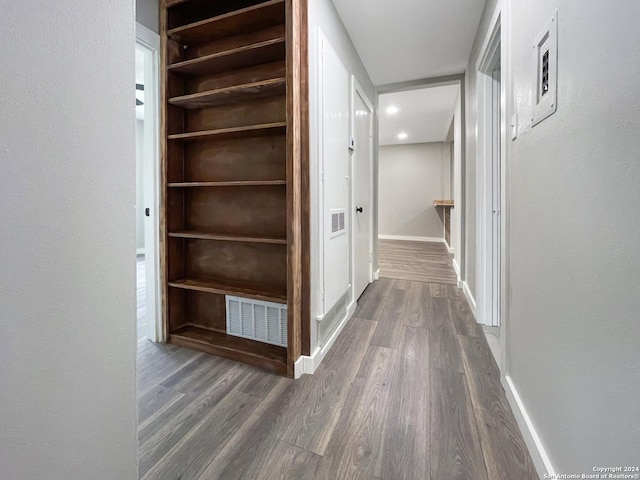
371	257
147	212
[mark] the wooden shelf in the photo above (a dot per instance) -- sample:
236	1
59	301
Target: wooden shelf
241	183
263	130
222	287
443	203
230	24
237	93
229	237
255	54
264	355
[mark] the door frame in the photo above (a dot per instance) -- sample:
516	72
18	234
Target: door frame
356	89
150	41
459	261
490	57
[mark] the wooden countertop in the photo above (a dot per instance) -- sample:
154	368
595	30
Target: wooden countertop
443	203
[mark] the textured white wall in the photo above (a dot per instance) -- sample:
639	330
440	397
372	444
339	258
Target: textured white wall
574	292
67	282
323	15
411	178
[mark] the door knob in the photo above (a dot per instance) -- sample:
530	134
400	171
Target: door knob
359	209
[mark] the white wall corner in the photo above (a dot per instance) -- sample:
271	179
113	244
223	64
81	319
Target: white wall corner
411	239
470	299
456	268
309	364
538	453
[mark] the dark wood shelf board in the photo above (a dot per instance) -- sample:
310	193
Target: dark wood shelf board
235	94
259	354
231	24
229	237
263	130
222	287
239	183
249	55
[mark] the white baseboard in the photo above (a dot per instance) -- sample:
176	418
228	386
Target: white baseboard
470	299
449	247
309	364
376	274
492	336
411	239
456	267
536	448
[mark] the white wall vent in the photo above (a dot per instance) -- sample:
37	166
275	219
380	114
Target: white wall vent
338	222
257	320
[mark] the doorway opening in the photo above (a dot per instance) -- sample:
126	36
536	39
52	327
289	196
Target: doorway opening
419	183
147	185
361	147
491	147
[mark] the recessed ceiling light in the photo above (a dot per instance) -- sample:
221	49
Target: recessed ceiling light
392	110
402	136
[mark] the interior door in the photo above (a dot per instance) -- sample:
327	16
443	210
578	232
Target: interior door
363	134
495	199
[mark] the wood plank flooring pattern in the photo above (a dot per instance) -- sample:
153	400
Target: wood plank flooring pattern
416	261
407	392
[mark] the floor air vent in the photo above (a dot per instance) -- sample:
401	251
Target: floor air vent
257	320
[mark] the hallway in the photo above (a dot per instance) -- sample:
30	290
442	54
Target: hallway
409	390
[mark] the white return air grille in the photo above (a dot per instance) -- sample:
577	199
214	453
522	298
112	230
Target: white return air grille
257	320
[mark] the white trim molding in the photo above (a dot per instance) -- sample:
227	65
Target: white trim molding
309	364
411	239
456	268
376	274
470	299
538	453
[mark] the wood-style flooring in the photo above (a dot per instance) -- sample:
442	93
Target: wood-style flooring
416	261
410	390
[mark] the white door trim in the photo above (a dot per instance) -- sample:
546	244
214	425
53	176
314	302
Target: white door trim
356	89
150	41
489	54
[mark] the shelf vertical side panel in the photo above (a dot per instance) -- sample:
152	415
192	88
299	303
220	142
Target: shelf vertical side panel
305	188
164	132
296	28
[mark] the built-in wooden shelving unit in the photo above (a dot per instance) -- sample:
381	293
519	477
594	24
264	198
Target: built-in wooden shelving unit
235	171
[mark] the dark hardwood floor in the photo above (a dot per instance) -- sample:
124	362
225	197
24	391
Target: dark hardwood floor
416	261
409	391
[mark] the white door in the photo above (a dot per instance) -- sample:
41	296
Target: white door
362	186
495	198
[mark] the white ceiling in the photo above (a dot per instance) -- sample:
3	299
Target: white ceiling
411	39
423	115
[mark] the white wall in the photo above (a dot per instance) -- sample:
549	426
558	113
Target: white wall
572	329
148	14
410	179
322	14
67	283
